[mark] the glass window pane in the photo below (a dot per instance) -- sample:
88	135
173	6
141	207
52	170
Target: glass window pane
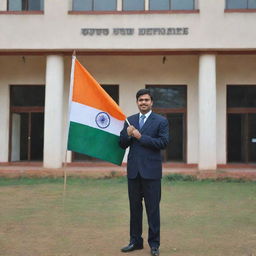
35	5
113	91
82	5
15	5
252	4
182	4
169	96
241	96
133	5
236	96
159	5
105	5
236	4
251	96
25	96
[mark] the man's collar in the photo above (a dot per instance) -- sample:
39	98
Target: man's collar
147	114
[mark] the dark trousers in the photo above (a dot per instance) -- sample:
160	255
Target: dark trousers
150	190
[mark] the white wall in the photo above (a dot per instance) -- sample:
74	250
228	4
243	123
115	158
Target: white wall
211	28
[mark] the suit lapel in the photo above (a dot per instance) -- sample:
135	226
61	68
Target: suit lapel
136	124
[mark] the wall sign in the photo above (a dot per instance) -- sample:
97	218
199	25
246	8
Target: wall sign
169	31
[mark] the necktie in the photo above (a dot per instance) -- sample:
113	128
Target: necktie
141	123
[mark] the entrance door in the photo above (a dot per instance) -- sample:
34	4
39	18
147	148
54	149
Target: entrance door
27	123
175	149
171	102
242	138
27	136
252	137
241	124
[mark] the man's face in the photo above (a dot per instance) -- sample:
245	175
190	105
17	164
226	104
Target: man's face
144	103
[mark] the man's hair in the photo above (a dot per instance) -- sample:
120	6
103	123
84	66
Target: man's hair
143	92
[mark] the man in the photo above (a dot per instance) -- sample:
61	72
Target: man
146	134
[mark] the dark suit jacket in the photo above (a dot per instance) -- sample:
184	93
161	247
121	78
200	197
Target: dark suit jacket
145	154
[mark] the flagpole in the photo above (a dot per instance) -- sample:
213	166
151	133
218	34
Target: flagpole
127	122
68	119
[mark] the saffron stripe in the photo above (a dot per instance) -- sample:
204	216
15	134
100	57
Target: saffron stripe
87	91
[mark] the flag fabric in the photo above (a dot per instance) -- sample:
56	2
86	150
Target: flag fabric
95	120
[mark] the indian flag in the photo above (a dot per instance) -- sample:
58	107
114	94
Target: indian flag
95	120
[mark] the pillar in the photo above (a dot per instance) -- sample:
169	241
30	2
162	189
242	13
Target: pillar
4	122
207	112
3	5
53	139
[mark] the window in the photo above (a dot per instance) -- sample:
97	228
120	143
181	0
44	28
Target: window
241	4
182	4
159	5
25	5
94	5
169	96
24	96
133	5
241	96
82	5
171	4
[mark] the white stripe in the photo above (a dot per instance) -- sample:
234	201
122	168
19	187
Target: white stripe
87	115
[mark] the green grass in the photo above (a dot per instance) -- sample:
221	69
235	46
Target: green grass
198	218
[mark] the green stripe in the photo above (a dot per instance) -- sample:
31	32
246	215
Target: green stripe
94	142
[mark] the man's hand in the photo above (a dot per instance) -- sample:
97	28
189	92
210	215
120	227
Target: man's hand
136	134
130	130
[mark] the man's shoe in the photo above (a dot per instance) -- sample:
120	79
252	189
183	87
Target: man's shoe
155	251
131	247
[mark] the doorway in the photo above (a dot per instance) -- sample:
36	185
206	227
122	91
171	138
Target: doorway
171	102
27	136
242	138
241	123
175	149
27	123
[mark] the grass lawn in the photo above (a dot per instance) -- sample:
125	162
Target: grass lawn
198	218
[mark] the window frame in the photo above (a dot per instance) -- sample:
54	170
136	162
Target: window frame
171	9
120	10
93	8
143	10
25	7
234	9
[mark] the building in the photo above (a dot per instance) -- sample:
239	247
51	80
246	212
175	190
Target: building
197	56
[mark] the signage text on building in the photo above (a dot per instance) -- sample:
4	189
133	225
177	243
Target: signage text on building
169	31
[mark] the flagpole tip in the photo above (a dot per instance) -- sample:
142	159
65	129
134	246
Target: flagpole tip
74	53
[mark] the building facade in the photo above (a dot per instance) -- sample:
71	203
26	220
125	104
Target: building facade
198	57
